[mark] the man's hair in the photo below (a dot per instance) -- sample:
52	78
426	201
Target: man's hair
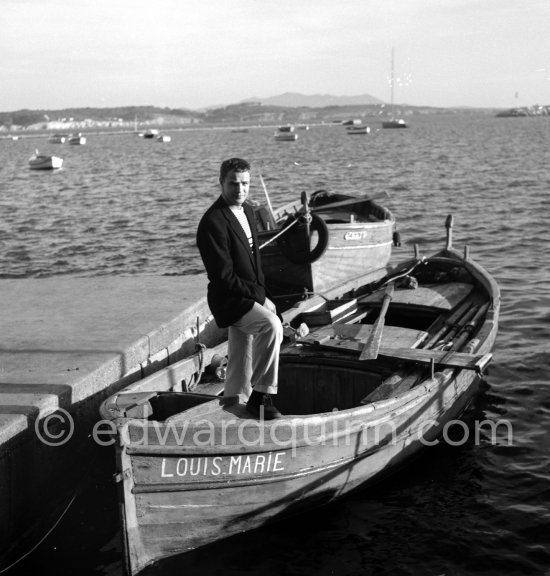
236	164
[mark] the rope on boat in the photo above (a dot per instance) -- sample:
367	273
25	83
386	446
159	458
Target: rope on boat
279	234
311	221
43	537
392	278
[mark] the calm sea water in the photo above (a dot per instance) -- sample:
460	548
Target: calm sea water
123	205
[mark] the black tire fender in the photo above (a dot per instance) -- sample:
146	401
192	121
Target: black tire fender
287	241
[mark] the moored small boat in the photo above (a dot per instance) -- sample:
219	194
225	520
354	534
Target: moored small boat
164	138
45	162
285	136
358	130
394	123
151	133
77	140
386	368
57	138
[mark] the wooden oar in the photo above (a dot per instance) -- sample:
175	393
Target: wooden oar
372	345
269	206
449	227
296	220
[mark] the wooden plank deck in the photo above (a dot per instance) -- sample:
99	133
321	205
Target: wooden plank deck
351	337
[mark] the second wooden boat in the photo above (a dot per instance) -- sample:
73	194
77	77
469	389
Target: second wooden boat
329	238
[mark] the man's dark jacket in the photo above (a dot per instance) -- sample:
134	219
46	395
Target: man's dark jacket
234	272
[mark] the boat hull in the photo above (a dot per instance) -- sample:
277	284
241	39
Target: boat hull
195	468
285	137
45	162
180	498
394	124
57	139
77	140
353	249
151	133
353	130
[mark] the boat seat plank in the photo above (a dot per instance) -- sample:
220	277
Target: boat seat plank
404	380
439	296
475	362
329	312
356	316
352	337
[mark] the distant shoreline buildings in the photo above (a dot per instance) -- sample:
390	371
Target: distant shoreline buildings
535	110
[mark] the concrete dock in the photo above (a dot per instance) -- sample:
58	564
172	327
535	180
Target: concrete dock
65	345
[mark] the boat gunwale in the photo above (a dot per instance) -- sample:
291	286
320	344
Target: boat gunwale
379	413
234	482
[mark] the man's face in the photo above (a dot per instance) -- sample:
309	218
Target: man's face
235	187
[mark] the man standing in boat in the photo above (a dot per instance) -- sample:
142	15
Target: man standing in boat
237	295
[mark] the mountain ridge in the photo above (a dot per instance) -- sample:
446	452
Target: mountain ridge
298	100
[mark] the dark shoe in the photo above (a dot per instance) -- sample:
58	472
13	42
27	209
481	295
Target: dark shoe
261	406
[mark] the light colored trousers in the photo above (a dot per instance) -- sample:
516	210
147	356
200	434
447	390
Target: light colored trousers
253	352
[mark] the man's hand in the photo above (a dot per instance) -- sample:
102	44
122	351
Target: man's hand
270	306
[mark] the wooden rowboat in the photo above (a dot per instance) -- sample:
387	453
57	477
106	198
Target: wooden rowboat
345	238
195	467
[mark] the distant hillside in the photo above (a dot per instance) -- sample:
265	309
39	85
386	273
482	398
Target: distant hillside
314	109
295	100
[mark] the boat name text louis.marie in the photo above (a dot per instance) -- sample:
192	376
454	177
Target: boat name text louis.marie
223	465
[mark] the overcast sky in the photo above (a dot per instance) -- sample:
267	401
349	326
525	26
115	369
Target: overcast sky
195	53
